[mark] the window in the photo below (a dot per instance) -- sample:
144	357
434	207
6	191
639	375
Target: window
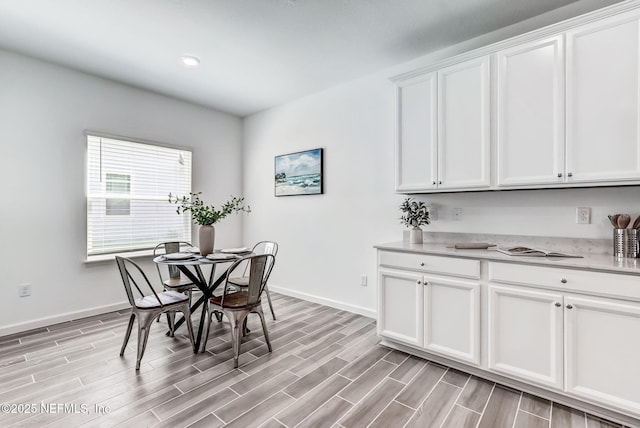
118	184
128	184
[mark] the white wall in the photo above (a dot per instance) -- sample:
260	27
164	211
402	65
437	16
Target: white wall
44	110
326	241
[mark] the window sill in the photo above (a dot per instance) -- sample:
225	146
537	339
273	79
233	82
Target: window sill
109	257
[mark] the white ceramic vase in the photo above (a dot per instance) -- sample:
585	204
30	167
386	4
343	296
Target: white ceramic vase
415	235
206	239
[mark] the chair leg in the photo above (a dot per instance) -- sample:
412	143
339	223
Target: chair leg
236	319
186	312
128	333
171	320
258	310
266	289
204	335
144	324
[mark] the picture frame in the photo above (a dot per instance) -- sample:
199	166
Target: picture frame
299	173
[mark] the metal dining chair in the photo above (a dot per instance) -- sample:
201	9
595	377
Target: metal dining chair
262	247
236	304
149	305
175	281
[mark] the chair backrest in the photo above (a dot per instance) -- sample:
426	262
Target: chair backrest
263	247
259	267
266	247
169	248
130	271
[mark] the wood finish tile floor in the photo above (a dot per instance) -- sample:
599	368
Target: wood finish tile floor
326	370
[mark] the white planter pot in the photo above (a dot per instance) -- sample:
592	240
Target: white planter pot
415	235
206	239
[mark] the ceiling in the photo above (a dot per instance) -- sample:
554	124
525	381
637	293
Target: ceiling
254	54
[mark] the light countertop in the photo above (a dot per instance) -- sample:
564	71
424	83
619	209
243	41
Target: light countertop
595	262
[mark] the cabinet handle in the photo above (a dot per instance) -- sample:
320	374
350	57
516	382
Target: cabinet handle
419	282
570	174
569	306
559	175
422	264
563	280
439	182
434	183
558	304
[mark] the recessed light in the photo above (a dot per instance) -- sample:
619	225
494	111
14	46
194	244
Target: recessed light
190	61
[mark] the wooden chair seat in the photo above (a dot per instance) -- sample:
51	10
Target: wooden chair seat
232	300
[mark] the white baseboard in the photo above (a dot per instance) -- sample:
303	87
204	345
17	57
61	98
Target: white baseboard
69	316
370	313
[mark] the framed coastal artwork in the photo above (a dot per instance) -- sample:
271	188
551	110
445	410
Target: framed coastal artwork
299	173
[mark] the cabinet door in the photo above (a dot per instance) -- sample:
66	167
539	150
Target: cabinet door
602	349
530	113
602	100
525	334
400	306
463	125
416	144
452	318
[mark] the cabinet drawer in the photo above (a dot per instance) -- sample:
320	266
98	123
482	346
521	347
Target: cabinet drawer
434	264
581	281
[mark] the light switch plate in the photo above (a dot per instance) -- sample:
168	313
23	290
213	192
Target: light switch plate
24	290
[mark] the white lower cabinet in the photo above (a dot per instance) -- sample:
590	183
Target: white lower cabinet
587	347
525	334
575	332
419	304
400	306
452	318
602	351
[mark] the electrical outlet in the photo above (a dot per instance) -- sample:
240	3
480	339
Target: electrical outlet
24	290
457	214
583	215
433	213
363	280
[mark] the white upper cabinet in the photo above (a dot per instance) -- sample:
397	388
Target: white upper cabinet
416	148
602	100
565	112
530	113
464	125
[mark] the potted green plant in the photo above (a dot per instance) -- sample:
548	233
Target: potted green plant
206	216
414	215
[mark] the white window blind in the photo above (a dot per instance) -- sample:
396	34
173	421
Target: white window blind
128	184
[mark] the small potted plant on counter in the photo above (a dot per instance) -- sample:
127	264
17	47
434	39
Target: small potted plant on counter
414	215
206	215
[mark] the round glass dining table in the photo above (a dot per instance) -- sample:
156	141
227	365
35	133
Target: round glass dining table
192	268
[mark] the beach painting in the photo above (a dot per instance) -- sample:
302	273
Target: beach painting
299	173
